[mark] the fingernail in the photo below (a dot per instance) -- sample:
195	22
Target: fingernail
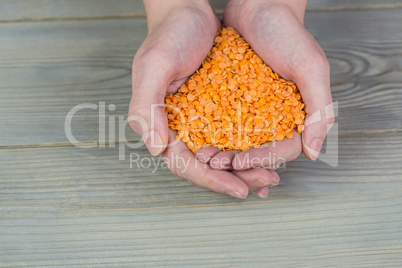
261	195
238	164
315	149
245	165
201	158
237	195
260	183
276	179
204	161
154	143
225	166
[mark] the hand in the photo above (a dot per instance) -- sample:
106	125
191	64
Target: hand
181	34
275	30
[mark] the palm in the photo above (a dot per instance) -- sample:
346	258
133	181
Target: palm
172	51
182	42
278	36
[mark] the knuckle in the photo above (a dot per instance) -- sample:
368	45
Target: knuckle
138	109
260	173
194	184
267	161
148	55
331	121
317	63
153	55
209	182
147	58
176	167
295	154
214	163
320	62
175	171
134	126
137	117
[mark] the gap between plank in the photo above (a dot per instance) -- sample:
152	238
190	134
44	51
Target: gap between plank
116	143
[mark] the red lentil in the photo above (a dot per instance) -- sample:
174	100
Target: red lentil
234	101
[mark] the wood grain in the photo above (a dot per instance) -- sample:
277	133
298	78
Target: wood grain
41	10
65	206
66	66
58	172
72	206
52	10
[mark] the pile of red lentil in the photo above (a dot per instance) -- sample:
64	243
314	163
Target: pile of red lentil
234	101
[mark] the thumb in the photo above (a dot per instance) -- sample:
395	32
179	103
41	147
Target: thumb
315	89
146	113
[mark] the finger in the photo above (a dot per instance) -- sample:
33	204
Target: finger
313	79
182	162
146	113
258	178
223	160
317	125
262	192
308	67
206	153
195	184
269	155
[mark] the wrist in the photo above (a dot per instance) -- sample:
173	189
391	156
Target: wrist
158	10
298	7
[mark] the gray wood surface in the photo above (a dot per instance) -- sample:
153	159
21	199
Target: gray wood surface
50	10
62	205
85	207
57	65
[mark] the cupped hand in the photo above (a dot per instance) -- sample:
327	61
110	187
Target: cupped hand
181	34
183	163
276	32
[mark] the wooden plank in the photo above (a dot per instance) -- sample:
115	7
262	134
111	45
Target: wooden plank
71	63
47	68
39	10
82	207
328	5
51	174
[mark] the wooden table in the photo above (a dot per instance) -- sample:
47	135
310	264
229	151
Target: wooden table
63	205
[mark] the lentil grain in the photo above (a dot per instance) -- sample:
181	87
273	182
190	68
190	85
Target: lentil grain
234	101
